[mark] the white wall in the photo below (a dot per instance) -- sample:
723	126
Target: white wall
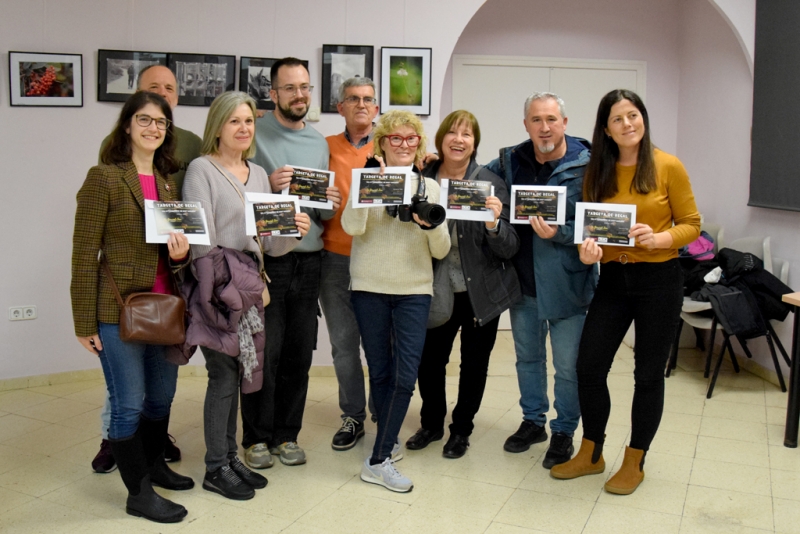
45	152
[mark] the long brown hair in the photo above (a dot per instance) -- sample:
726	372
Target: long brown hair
600	182
119	149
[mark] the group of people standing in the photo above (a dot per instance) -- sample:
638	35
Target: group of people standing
372	273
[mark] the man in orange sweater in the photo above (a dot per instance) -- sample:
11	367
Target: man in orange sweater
348	150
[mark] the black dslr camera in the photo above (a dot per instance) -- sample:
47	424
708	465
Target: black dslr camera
432	214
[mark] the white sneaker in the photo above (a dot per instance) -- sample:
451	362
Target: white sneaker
397	451
386	475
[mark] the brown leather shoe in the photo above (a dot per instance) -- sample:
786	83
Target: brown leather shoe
630	475
588	461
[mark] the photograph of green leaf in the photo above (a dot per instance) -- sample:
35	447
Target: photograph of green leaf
405	80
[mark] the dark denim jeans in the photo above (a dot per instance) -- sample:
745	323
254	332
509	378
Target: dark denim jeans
274	414
334	297
650	295
140	381
477	343
393	332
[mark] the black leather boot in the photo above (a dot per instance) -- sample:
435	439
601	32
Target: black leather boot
142	500
154	436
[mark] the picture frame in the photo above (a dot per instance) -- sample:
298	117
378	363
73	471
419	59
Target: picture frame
254	79
118	72
406	79
45	79
340	62
202	77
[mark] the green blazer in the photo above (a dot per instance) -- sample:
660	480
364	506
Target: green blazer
110	217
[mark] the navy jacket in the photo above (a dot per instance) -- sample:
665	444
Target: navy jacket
564	285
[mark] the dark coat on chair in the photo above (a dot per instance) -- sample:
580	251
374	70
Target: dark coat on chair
110	218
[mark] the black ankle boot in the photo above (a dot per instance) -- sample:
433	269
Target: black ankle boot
154	436
142	500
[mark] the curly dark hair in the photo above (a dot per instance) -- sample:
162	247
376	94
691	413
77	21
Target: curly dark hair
119	148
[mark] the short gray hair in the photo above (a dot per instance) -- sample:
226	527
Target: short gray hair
356	81
544	96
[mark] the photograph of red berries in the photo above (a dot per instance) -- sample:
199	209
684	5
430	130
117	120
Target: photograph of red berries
38	79
46	79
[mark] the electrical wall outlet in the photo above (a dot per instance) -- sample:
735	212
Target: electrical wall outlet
22	313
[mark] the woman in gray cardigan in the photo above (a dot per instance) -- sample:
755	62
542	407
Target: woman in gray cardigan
219	180
484	283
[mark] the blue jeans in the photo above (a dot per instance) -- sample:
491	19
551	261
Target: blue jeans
393	329
105	417
334	297
274	414
530	334
140	381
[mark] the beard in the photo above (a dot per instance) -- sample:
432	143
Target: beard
289	114
546	149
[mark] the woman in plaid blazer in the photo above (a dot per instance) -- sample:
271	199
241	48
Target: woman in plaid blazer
110	221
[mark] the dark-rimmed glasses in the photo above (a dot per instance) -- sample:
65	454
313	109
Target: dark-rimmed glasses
145	120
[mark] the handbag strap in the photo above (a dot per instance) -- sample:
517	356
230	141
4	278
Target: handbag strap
111	281
241	197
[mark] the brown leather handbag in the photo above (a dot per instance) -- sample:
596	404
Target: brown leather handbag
151	318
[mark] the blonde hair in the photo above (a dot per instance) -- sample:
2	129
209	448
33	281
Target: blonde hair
393	120
218	114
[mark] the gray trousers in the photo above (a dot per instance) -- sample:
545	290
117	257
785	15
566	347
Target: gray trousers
221	408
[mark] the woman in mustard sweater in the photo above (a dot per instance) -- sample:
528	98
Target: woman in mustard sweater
643	284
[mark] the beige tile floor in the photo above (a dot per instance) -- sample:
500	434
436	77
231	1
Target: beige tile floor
715	466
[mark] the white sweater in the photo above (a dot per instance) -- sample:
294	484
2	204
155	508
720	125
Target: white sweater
390	256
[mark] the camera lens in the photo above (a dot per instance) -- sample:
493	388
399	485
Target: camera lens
432	214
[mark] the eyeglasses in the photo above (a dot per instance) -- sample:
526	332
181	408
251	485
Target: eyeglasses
145	120
293	89
397	140
356	100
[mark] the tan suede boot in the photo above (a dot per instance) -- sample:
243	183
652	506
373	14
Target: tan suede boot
588	461
630	475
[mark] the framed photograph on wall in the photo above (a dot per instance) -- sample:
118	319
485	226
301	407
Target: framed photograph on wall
118	72
255	79
37	79
202	77
340	62
406	79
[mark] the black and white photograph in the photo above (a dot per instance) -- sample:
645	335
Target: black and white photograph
340	62
118	72
547	202
608	224
53	80
466	199
201	78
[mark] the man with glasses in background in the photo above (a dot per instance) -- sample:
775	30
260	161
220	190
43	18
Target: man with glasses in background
348	150
273	416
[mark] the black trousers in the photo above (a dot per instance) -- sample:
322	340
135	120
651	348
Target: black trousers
477	343
650	295
274	414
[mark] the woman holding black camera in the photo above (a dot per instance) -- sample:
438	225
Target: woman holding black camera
484	285
392	283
